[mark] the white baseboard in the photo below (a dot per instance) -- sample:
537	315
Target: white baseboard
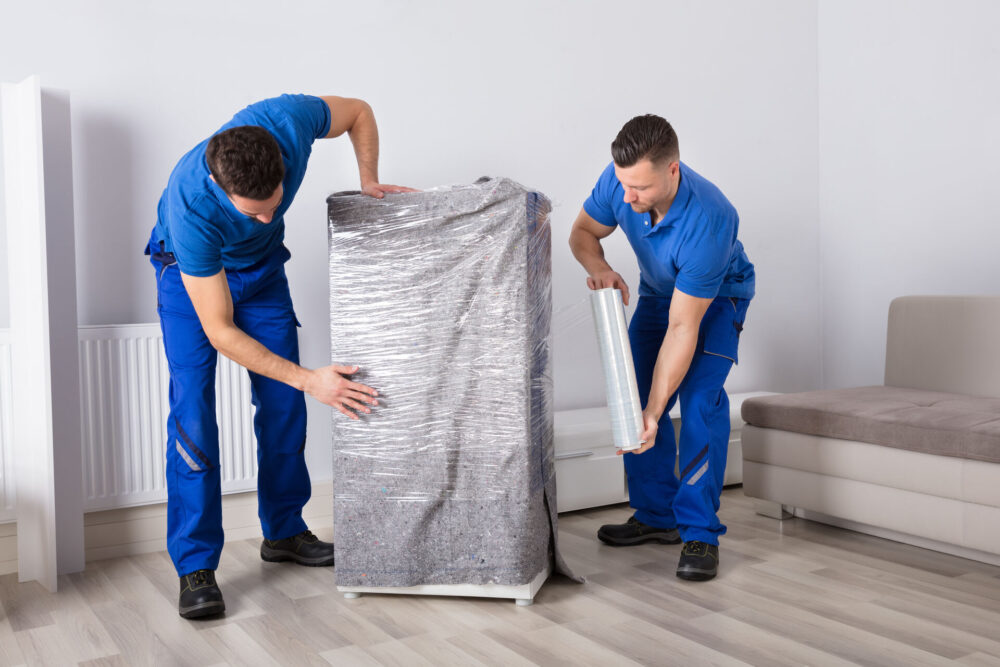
137	530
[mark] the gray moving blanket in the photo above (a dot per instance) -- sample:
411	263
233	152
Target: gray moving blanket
443	298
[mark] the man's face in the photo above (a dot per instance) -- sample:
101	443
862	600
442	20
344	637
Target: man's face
647	184
259	210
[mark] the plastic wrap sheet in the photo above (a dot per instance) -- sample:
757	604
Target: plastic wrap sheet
443	298
619	371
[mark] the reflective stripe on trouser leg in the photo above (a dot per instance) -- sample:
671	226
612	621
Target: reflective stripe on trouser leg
651	481
283	486
194	488
704	445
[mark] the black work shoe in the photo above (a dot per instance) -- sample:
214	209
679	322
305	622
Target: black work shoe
200	595
699	561
304	548
634	531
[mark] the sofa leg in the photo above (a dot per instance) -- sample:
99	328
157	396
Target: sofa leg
771	509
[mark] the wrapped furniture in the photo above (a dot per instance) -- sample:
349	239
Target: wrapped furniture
443	298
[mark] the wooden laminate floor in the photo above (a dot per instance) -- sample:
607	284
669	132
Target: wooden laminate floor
791	593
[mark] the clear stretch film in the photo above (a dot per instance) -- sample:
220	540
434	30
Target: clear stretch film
443	299
619	372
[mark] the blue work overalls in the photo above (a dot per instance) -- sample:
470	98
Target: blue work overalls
659	498
262	307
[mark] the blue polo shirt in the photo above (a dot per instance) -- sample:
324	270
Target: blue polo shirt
694	248
198	223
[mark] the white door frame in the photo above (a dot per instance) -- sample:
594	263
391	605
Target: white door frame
45	366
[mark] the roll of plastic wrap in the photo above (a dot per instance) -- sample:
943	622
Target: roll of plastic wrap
619	372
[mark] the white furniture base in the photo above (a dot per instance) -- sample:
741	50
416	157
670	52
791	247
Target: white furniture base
782	512
772	509
524	595
896	536
950	504
590	474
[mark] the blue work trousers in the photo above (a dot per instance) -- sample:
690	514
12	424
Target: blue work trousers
689	503
262	307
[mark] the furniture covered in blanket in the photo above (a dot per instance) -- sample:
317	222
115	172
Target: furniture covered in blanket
915	460
443	298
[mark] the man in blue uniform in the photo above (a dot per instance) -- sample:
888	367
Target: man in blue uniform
694	288
221	287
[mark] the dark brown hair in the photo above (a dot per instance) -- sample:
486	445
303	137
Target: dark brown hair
649	137
246	161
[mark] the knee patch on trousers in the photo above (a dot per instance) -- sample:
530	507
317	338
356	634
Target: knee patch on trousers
697	467
194	457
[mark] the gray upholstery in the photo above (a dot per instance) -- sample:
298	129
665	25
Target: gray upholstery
942	377
922	421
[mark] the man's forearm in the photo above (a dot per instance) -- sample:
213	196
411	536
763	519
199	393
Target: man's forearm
364	137
672	363
588	251
249	353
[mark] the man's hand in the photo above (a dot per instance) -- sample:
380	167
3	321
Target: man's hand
379	190
648	436
608	278
357	119
331	385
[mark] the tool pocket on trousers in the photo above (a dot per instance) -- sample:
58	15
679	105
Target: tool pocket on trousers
722	326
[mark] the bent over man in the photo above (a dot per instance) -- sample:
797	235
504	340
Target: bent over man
221	287
694	288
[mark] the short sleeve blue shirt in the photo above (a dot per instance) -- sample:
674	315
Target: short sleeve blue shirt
198	223
694	248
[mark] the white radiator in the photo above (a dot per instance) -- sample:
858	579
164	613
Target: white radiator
123	396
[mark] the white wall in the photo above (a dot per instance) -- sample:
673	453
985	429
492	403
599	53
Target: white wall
533	91
909	144
4	291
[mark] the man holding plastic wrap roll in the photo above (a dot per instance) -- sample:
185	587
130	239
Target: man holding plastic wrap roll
221	287
694	289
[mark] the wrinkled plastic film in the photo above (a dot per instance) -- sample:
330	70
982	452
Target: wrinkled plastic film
443	298
619	371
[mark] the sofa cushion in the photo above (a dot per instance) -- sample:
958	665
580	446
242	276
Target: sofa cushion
923	421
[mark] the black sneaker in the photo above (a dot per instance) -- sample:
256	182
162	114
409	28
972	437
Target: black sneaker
200	595
699	561
304	549
634	532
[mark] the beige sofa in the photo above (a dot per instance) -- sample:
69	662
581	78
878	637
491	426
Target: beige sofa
917	459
